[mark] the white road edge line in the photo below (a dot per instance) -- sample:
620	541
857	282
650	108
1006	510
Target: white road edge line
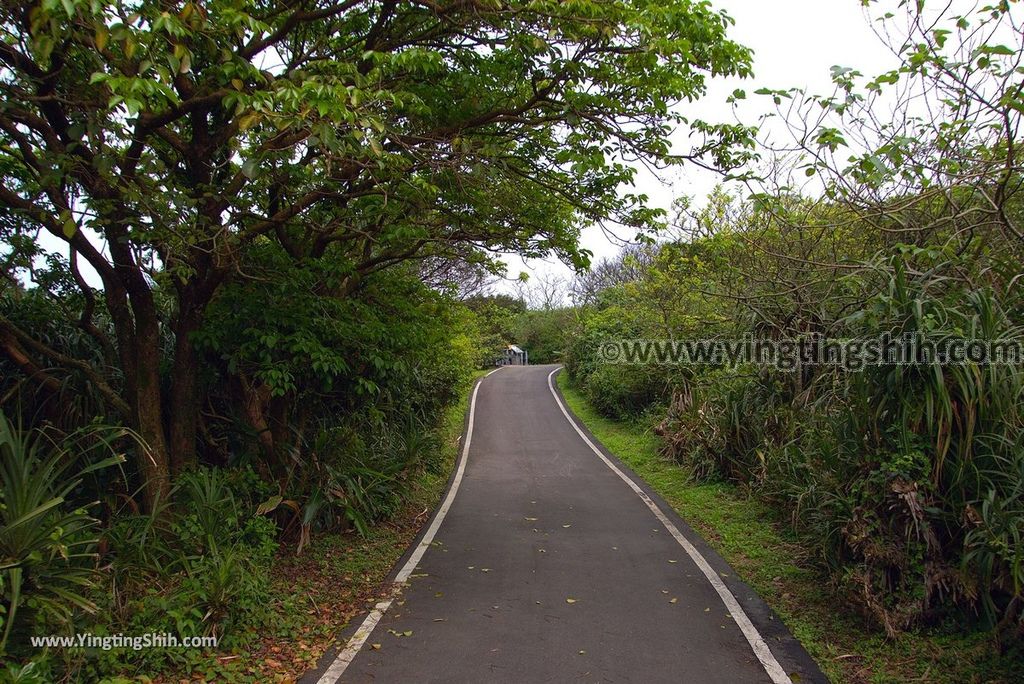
754	638
337	668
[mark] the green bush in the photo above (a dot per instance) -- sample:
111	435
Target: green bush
48	569
625	391
201	566
906	479
544	334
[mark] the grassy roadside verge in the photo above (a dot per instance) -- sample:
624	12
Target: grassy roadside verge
318	593
748	535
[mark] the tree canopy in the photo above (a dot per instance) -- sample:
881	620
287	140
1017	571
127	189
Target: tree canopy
161	142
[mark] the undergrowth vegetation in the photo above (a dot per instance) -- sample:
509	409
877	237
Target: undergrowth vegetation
81	555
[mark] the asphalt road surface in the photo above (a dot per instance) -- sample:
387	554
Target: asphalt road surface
550	561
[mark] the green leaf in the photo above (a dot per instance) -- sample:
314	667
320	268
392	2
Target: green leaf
249	167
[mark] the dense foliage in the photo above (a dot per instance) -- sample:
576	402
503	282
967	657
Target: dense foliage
166	148
905	480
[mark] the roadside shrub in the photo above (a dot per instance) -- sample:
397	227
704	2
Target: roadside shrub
720	423
353	478
624	391
47	536
198	566
907	479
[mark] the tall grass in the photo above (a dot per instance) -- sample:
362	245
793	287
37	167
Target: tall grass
907	479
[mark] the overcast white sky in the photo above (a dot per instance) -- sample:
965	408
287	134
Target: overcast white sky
795	45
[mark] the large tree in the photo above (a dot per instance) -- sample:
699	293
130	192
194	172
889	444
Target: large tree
161	140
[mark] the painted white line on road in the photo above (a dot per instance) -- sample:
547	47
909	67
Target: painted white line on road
494	371
344	659
754	638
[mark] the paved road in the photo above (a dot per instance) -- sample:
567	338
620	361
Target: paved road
548	566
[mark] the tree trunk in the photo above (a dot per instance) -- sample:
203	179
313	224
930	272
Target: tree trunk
183	401
255	399
154	462
278	411
194	295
